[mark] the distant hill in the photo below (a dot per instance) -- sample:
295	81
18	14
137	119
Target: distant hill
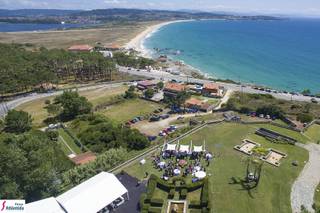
107	15
36	12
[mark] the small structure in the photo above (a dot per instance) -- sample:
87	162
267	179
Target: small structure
93	195
247	146
212	90
46	205
112	47
147	84
170	147
184	149
81	48
172	89
273	157
83	158
199	105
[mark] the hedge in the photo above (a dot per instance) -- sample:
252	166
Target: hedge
171	193
183	193
195	211
156	202
142	200
205	194
154	210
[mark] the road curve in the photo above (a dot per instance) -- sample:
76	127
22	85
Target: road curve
303	189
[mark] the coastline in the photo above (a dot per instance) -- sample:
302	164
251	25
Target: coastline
137	42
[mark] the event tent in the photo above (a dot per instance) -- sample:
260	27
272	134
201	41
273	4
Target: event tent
49	205
93	195
184	148
170	147
198	149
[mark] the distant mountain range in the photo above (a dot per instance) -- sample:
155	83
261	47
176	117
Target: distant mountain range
105	15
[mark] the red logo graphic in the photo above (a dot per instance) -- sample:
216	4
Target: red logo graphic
3	205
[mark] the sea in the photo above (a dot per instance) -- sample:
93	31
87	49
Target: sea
8	27
281	54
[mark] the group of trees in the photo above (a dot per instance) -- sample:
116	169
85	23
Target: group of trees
131	60
22	70
69	105
31	163
178	100
101	134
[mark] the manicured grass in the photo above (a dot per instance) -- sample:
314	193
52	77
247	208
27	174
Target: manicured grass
130	109
313	133
273	191
69	141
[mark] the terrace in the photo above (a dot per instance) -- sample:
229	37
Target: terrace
247	146
273	157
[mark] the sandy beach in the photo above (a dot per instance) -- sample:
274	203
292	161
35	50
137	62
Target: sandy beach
137	42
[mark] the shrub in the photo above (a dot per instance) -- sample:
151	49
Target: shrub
183	194
171	193
304	117
205	194
154	210
156	202
195	211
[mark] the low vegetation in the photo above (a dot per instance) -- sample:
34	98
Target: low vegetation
267	104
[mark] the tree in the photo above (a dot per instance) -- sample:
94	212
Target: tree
149	93
160	85
18	121
72	104
305	117
130	94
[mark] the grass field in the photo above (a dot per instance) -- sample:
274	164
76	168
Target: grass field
70	142
273	192
111	33
98	96
313	133
129	109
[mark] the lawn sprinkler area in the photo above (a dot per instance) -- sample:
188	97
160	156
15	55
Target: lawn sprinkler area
273	191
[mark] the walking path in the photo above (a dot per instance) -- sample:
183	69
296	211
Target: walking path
303	189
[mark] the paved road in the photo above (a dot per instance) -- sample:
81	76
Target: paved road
303	189
234	87
5	106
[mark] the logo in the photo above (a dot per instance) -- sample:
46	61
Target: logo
12	206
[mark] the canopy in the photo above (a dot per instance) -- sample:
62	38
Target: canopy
49	205
197	149
92	195
200	174
171	147
184	148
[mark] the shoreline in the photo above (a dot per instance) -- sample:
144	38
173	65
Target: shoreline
137	42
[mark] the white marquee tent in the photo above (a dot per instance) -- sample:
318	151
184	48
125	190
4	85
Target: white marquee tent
184	148
170	147
49	205
92	195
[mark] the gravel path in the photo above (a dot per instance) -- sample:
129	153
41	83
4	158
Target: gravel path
303	189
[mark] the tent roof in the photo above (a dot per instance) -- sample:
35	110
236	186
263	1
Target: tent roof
184	148
171	147
92	195
49	205
197	149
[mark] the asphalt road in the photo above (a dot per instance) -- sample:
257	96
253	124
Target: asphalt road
244	88
5	106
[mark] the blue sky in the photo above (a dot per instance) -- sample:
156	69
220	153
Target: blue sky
299	7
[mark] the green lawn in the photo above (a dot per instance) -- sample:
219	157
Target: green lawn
273	192
129	109
69	141
313	133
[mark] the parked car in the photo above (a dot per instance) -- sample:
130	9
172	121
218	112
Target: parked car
164	116
154	118
313	100
152	138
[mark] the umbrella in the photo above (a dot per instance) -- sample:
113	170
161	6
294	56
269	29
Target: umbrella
200	174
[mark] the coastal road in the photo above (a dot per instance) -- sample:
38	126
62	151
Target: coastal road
234	87
6	106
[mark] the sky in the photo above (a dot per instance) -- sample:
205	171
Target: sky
291	7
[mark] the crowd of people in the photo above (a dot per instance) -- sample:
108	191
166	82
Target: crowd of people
173	163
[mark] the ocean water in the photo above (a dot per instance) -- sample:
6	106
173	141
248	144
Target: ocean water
8	27
282	54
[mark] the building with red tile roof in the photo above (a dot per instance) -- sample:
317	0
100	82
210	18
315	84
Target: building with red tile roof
172	89
212	90
84	158
80	48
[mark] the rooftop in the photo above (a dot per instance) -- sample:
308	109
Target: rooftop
81	47
211	86
84	158
175	87
194	101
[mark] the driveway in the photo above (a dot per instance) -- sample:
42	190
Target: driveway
303	189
